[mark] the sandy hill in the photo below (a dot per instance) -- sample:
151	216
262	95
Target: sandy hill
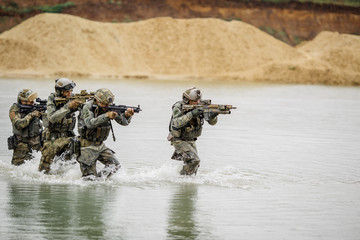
64	45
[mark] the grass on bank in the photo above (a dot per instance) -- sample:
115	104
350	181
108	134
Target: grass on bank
13	7
348	3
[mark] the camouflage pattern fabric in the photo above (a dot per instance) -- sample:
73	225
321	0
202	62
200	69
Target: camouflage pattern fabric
186	151
52	149
21	153
185	129
93	149
25	145
89	157
59	122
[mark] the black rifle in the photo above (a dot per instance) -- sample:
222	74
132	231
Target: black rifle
118	109
39	105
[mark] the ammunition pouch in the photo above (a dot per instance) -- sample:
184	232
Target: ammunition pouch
12	142
75	147
98	134
175	132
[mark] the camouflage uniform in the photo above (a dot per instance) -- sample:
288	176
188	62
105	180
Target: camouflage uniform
27	129
94	128
185	128
59	125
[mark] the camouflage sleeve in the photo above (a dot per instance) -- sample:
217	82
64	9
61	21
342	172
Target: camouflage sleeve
122	120
16	120
180	119
53	114
89	119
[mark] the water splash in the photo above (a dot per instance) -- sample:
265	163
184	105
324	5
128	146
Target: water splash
68	173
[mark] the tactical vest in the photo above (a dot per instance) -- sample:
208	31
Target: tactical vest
190	131
65	125
32	130
98	134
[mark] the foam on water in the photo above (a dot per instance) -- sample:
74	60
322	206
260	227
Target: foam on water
68	173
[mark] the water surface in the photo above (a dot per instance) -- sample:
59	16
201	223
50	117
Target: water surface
284	165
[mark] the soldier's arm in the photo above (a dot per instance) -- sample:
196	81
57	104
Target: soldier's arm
180	119
53	114
122	119
16	120
90	120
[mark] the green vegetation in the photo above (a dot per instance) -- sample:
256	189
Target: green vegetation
233	19
127	19
349	3
114	2
58	8
282	35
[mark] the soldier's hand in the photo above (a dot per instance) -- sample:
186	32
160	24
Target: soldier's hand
196	112
35	113
111	115
213	115
129	112
74	104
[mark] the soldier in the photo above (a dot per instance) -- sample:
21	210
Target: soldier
185	128
27	128
94	127
59	124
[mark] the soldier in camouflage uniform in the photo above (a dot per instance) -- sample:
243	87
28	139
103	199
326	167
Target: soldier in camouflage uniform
94	127
27	128
185	128
59	124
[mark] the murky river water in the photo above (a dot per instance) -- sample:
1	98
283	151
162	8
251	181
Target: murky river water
284	165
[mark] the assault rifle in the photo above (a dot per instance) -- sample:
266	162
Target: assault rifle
118	109
82	97
39	105
207	107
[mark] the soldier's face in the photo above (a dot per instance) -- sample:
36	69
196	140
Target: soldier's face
27	102
103	105
67	93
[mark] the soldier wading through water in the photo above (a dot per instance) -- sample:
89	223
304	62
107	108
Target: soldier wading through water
27	128
185	128
59	123
94	127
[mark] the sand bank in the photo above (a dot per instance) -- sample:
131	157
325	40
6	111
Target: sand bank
55	45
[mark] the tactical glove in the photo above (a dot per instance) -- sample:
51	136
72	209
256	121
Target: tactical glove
196	112
111	115
213	115
35	113
74	104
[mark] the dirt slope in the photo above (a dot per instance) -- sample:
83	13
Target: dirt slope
64	45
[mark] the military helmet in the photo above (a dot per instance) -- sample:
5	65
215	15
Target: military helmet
27	95
104	96
64	84
192	94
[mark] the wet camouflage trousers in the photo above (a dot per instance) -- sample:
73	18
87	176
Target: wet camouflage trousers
186	151
23	152
52	149
91	154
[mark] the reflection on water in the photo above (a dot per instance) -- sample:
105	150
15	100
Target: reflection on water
284	165
53	210
182	212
